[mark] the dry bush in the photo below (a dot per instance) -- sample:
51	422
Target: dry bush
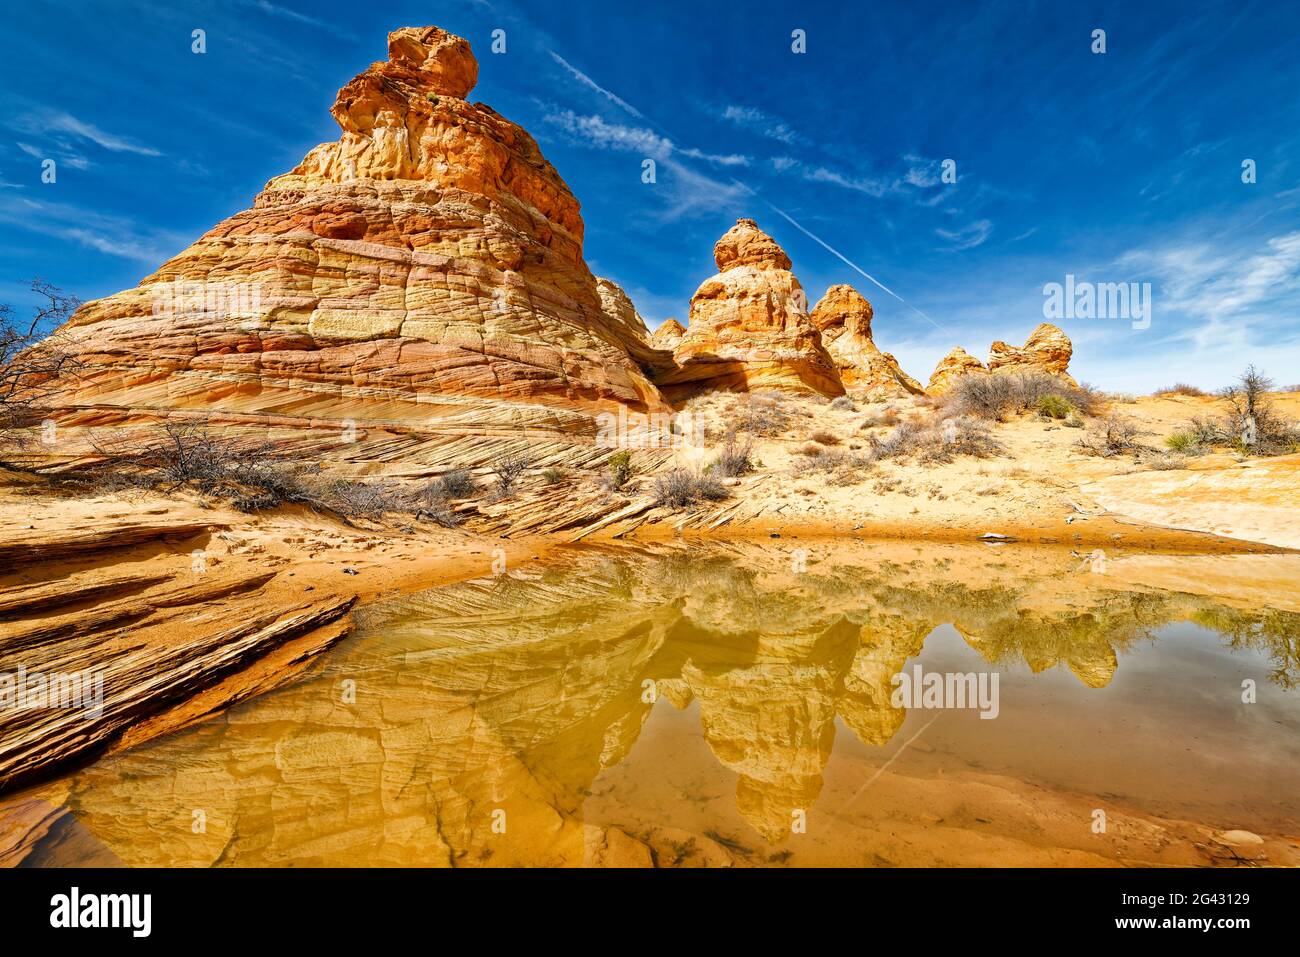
994	397
32	361
825	438
255	477
938	442
886	416
680	488
843	404
363	499
1164	461
508	468
553	476
1114	435
734	459
1254	426
843	468
457	483
763	413
1180	388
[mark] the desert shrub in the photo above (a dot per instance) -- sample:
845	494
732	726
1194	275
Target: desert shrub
939	442
621	469
843	404
270	483
1180	388
1165	461
995	397
825	438
886	416
1053	406
33	358
1185	443
961	436
900	443
763	413
1254	426
680	488
1114	435
181	453
433	501
553	476
843	468
734	459
441	513
1205	431
1122	398
457	483
508	469
363	499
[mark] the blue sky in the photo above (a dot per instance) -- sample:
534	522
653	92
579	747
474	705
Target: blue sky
1117	167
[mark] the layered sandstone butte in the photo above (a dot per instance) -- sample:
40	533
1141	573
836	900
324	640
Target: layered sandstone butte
423	275
843	317
669	335
748	327
630	329
951	367
1047	350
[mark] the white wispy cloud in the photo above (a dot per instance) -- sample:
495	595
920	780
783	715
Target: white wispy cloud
683	189
113	235
861	184
74	160
1224	296
598	132
966	237
594	86
60	122
764	124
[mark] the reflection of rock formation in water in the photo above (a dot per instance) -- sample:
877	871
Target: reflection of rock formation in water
513	695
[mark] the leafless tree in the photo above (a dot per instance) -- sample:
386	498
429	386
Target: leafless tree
33	358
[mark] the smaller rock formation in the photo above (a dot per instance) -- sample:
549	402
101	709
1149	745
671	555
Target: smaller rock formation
1047	349
619	307
668	335
630	330
955	364
843	317
748	327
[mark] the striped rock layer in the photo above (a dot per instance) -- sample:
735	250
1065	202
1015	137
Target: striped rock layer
749	327
843	317
1047	350
416	282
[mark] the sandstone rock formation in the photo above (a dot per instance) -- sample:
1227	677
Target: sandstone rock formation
422	275
630	330
748	327
668	335
1047	349
843	317
955	364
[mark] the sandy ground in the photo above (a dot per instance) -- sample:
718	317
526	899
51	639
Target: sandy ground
1042	488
